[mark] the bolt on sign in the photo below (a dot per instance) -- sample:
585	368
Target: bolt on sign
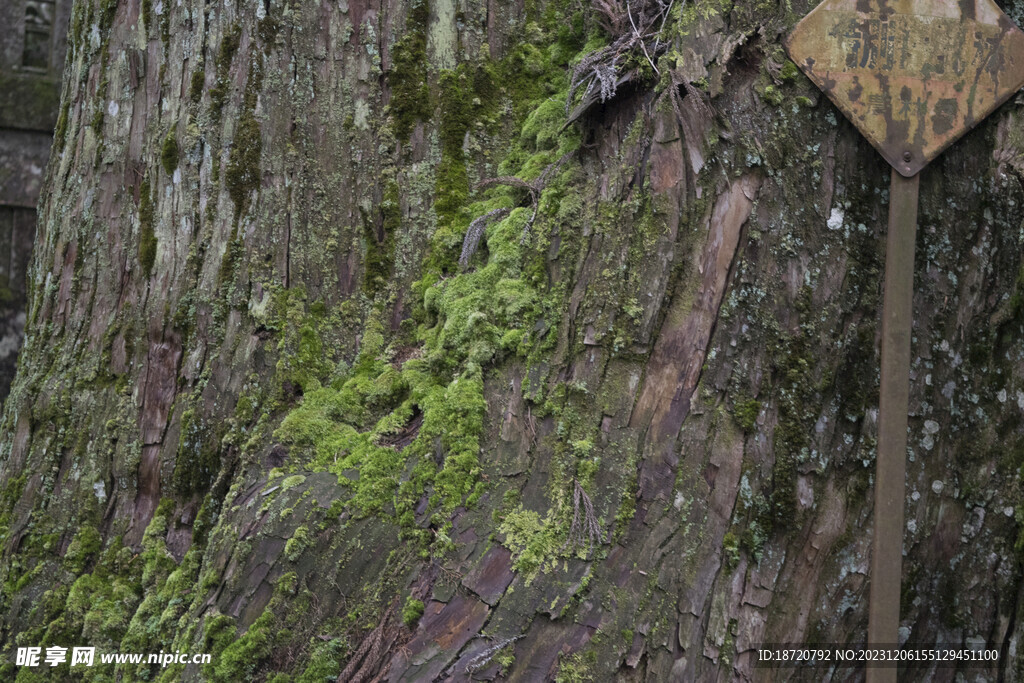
912	75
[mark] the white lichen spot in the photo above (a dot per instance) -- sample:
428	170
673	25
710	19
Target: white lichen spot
1008	511
912	525
835	220
804	492
113	108
915	496
361	115
100	489
931	427
937	486
973	525
819	426
1001	396
1020	400
176	178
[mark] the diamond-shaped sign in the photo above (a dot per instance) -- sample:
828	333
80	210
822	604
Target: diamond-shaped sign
912	75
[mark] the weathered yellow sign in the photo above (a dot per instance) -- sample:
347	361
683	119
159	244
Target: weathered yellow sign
912	75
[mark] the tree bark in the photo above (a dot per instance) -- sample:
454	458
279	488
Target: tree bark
264	412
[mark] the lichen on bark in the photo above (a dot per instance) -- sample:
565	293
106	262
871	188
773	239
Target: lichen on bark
263	411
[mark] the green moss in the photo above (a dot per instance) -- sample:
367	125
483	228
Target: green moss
169	152
292	482
543	126
147	15
452	180
772	95
242	656
147	235
731	546
225	55
466	321
163	583
229	260
198	455
196	84
218	633
96	123
325	662
165	32
412	611
451	193
746	412
576	668
98	606
407	78
297	544
535	543
789	71
243	172
107	11
302	362
797	391
268	27
380	244
61	128
456	108
84	546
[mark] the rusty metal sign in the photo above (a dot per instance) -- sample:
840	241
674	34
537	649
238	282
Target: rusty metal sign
912	75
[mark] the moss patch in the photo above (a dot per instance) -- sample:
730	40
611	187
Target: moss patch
169	152
147	235
410	92
411	612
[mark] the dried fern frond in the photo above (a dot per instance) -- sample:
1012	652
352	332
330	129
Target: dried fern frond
611	15
475	231
471	242
633	26
585	531
481	660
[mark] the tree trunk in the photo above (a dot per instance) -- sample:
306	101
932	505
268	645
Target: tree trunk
272	405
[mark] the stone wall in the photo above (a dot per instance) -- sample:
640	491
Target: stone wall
31	60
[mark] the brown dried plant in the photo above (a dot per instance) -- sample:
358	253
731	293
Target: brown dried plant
634	25
585	531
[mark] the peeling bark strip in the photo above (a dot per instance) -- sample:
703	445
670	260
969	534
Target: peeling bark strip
681	347
158	390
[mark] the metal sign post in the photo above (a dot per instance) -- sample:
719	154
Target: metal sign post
913	76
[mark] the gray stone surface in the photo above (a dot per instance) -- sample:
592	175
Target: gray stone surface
32	51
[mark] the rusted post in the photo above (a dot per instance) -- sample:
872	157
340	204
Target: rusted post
890	467
913	76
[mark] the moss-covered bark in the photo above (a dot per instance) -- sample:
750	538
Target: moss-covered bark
264	412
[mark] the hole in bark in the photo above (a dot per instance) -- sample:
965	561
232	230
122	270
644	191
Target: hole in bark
745	62
277	456
407	434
